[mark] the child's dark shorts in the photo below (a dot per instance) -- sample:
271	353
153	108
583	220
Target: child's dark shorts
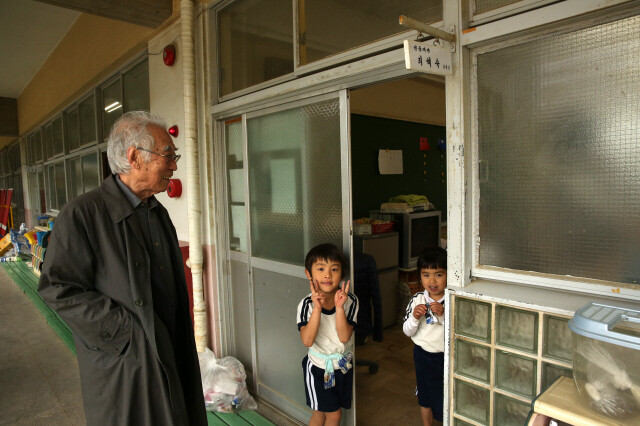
326	400
430	380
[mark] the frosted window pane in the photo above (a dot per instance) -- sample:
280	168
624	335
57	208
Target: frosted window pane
558	122
471	401
473	319
290	215
255	40
517	329
235	177
510	412
333	26
516	374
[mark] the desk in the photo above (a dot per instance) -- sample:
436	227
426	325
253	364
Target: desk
561	401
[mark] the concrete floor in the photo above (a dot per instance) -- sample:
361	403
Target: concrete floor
39	382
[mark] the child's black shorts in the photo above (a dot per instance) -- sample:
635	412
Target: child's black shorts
326	400
430	379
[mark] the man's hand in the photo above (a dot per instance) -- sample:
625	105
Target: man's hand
317	296
437	308
419	311
341	295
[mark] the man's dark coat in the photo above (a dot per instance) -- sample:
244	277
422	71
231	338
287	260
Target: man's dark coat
96	275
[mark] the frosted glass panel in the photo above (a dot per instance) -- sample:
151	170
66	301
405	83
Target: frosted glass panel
516	374
294	172
551	372
471	401
236	192
510	412
558	125
557	338
473	319
333	26
517	328
472	360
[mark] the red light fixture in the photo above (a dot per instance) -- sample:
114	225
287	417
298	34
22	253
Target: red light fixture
173	130
169	55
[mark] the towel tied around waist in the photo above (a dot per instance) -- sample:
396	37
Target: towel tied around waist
329	376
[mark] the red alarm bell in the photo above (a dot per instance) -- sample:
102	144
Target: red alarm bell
174	190
169	55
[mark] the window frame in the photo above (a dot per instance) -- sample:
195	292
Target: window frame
495	38
358	53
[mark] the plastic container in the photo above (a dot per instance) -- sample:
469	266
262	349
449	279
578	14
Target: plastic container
606	358
361	228
379	228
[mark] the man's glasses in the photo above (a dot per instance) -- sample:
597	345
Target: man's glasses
170	158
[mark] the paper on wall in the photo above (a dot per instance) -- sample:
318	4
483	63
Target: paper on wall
390	161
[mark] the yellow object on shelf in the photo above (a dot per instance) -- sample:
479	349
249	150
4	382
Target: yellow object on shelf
561	401
5	243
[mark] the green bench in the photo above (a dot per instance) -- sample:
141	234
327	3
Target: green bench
27	280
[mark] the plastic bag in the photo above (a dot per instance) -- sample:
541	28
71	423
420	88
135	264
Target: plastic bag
224	385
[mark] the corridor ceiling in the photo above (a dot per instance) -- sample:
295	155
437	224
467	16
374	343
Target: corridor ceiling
30	30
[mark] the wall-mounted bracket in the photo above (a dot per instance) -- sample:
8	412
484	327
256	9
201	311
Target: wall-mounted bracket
432	31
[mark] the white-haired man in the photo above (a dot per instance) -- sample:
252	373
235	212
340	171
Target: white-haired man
113	272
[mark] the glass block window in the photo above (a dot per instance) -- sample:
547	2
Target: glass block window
517	329
471	401
473	319
329	27
294	197
558	123
511	412
255	43
503	368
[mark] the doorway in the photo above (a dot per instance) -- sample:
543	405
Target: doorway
406	115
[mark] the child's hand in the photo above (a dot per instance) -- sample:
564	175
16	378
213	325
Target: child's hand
316	295
341	295
419	311
437	308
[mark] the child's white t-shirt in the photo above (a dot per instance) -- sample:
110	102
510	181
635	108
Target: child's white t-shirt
429	337
327	341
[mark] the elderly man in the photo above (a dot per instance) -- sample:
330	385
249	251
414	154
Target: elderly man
113	272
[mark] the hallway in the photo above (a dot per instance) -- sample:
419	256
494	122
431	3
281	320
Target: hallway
39	382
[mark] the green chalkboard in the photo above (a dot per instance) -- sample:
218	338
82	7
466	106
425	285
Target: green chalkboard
424	171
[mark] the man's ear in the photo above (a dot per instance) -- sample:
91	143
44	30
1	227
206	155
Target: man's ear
133	157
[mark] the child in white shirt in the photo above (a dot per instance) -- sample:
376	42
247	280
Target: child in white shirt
424	323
